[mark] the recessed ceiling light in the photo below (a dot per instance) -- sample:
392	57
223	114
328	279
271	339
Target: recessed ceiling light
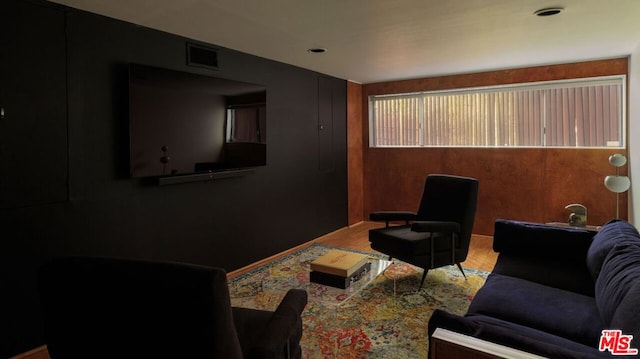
317	50
548	11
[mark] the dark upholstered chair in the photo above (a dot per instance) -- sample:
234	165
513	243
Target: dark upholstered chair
118	308
439	233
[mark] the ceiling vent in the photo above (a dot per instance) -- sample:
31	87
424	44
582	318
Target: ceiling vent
201	56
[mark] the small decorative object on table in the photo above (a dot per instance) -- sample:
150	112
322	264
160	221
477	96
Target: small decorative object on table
339	281
578	216
339	268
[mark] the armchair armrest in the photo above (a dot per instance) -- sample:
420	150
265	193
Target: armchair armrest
284	330
435	226
388	216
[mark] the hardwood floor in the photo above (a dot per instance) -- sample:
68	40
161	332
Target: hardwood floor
37	353
481	255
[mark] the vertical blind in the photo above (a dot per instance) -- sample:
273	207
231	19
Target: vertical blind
577	113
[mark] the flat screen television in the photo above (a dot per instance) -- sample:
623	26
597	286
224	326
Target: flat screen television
183	123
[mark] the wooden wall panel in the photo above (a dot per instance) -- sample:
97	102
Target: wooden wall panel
523	184
515	183
354	155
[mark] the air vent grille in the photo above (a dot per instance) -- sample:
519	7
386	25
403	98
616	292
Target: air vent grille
200	56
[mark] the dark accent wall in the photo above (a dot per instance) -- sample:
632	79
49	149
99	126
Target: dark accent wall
86	204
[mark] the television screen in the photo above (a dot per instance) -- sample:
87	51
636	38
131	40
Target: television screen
182	123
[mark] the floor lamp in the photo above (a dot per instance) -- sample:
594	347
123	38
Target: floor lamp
617	183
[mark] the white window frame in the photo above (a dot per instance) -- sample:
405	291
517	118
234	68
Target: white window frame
543	85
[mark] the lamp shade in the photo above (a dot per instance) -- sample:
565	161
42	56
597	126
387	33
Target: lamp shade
617	184
617	160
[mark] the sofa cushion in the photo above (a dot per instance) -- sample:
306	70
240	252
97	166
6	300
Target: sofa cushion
611	234
618	289
567	314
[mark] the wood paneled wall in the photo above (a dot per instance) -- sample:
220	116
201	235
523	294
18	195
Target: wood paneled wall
515	183
355	152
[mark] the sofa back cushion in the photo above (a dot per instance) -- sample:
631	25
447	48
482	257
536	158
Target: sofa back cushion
618	289
611	234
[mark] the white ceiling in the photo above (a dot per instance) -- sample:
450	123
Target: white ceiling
371	41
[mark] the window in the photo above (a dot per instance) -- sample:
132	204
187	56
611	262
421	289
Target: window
570	113
246	124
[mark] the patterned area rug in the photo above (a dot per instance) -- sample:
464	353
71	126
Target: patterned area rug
386	319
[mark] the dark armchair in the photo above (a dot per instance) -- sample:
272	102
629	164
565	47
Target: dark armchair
119	308
439	233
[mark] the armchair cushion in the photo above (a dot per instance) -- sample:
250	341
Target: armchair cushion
410	246
435	226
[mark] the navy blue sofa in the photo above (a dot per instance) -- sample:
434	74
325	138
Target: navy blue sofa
554	290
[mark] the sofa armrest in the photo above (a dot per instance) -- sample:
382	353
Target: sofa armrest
284	330
511	335
448	344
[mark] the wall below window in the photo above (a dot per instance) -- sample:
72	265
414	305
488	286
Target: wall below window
522	184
